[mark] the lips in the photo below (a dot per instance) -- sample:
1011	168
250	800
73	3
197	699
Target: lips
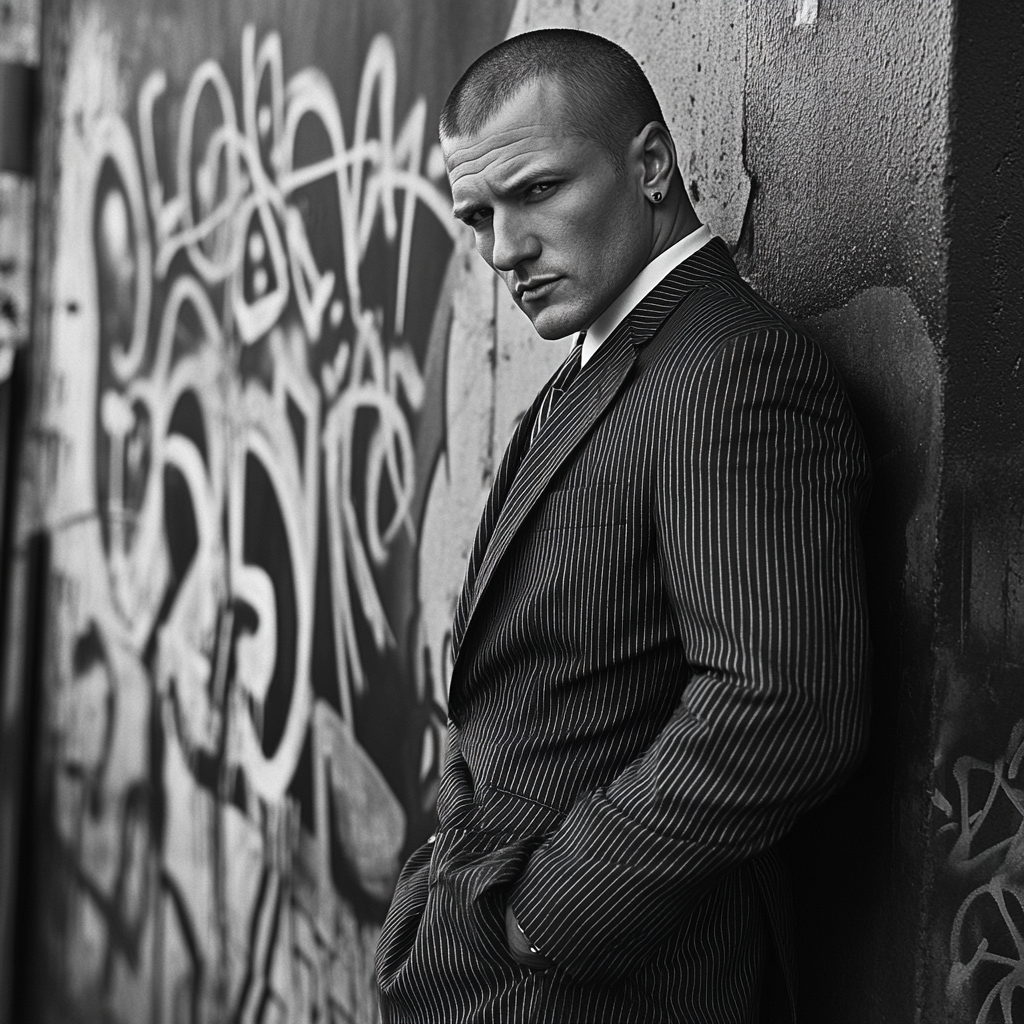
536	288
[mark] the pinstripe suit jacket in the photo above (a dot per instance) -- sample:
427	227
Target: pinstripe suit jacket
660	658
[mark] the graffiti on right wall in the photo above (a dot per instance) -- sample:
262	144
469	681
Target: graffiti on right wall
986	823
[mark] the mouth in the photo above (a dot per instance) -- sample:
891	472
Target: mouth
536	288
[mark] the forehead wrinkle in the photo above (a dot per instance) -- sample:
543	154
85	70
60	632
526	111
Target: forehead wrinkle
502	172
471	149
503	188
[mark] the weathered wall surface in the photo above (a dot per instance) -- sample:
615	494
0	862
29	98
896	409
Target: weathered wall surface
975	907
272	385
848	143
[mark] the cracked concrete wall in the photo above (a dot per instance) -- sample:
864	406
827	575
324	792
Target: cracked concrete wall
975	897
848	146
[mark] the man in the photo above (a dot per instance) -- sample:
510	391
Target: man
660	647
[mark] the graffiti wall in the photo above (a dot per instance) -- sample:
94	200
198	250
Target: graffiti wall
247	465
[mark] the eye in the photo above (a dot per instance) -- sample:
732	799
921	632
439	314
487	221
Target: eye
477	218
539	189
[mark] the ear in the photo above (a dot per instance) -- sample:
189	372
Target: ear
658	153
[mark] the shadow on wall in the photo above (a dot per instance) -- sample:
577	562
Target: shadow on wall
842	853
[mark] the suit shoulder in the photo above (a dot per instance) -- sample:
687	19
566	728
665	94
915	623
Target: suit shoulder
718	314
723	310
728	322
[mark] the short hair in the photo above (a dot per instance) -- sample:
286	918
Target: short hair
606	93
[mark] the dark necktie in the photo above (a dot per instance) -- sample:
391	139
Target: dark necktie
561	383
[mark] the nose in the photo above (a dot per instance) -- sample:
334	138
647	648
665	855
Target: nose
513	240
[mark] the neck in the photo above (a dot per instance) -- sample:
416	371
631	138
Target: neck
672	223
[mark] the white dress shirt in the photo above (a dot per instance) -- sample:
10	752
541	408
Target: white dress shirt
644	282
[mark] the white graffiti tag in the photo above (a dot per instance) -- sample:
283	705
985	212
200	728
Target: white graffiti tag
987	941
256	471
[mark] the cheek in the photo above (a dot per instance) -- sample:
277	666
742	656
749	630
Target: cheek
619	241
484	245
597	233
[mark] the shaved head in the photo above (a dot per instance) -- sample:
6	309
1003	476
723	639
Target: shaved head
606	94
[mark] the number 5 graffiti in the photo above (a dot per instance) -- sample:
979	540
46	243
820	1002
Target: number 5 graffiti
258	469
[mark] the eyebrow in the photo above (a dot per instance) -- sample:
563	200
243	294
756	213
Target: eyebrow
463	210
518	181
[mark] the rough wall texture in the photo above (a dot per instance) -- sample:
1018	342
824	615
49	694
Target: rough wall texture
975	908
847	142
262	478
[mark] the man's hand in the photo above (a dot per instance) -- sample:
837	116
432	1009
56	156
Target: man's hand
523	951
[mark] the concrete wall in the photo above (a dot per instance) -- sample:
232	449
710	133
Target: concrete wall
975	897
261	478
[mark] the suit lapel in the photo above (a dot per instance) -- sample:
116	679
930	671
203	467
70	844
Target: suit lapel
507	469
568	423
525	472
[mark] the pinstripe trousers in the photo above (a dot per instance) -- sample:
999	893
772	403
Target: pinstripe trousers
660	660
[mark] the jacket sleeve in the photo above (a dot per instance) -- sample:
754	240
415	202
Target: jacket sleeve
757	512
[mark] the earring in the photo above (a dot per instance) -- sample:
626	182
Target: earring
656	197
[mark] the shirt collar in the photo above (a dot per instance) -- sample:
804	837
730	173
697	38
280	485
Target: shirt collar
641	285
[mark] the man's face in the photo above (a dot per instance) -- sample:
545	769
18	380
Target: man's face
553	216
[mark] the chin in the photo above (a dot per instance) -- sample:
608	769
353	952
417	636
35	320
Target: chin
556	335
553	325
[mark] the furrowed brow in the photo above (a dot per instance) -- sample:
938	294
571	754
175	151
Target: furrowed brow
463	210
525	178
512	186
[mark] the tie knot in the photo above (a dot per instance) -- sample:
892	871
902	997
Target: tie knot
560	383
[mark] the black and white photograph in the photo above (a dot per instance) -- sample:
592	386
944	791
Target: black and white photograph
511	512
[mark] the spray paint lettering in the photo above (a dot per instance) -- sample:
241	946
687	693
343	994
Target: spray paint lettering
261	454
987	938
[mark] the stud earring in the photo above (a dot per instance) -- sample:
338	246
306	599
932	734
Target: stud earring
656	197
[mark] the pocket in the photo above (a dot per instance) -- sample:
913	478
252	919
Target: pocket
472	874
472	863
455	958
